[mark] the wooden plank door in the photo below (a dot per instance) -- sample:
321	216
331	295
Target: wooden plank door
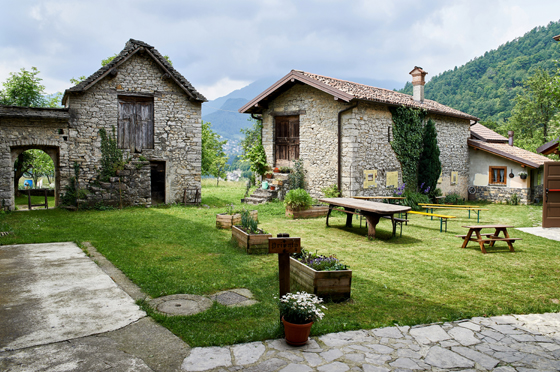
136	123
286	140
551	197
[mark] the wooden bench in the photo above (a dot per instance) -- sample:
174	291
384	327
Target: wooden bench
486	238
463	208
443	218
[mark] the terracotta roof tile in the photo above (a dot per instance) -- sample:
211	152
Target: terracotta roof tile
480	132
369	93
511	152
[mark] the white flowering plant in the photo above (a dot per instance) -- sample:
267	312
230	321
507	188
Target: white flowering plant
301	307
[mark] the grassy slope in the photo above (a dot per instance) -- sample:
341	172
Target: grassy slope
422	277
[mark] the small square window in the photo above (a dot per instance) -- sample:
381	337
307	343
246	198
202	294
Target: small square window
497	176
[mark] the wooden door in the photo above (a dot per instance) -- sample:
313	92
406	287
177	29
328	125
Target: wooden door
286	140
136	123
551	197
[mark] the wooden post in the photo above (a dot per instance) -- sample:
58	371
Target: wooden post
284	246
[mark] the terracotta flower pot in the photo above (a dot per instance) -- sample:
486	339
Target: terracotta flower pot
296	334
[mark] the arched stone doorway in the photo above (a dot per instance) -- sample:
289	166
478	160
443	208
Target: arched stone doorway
52	151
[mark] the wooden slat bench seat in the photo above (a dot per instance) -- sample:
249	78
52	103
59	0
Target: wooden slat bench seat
442	218
457	207
474	235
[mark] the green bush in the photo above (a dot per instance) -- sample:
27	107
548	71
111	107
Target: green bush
331	191
454	199
296	179
298	199
413	198
248	223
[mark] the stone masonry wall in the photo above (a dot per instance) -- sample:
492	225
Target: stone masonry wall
365	144
18	134
501	194
177	124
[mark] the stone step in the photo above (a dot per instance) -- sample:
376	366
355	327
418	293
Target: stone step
255	201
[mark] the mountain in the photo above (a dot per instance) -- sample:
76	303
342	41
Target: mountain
486	87
227	122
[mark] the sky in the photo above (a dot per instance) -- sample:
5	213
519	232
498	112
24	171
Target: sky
223	45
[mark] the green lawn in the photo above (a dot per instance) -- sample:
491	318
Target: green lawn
422	277
22	202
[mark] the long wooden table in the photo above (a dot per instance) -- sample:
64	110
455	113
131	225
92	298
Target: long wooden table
491	238
372	211
388	198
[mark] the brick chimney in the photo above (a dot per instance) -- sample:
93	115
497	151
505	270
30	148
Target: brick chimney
418	83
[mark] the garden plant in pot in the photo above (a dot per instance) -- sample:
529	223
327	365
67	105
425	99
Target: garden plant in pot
298	204
522	175
299	311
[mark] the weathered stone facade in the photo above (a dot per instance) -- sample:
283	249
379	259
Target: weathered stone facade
365	142
502	194
72	134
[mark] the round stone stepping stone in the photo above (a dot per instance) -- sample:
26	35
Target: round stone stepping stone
181	304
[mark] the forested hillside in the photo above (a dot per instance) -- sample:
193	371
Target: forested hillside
486	87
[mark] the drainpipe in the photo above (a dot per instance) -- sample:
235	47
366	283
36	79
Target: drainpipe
339	176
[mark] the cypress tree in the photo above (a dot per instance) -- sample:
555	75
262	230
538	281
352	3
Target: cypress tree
429	166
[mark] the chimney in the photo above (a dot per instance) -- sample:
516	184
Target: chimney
418	83
510	137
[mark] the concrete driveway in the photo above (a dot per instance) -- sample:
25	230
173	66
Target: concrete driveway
60	311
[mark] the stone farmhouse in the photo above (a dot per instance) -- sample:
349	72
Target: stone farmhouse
342	131
495	167
154	112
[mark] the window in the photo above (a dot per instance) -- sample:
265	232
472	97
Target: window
497	176
136	123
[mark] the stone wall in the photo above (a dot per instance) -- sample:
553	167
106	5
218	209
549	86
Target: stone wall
177	124
365	143
131	186
501	194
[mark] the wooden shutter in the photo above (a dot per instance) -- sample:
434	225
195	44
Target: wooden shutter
136	123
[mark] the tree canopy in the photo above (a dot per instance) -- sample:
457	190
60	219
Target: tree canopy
24	88
214	159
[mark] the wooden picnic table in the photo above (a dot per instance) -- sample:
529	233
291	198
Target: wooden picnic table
372	211
388	198
490	238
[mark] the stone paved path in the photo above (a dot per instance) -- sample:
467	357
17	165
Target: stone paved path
519	343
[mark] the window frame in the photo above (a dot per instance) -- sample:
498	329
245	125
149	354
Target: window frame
490	178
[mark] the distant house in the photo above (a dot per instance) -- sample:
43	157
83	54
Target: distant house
155	113
342	131
495	164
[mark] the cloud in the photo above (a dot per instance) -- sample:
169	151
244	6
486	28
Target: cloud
221	44
222	87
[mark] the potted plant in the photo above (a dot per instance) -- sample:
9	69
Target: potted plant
231	217
299	311
248	236
298	204
276	170
324	276
268	174
522	175
285	169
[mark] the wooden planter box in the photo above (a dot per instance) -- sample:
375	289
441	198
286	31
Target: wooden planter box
252	243
333	285
226	221
313	212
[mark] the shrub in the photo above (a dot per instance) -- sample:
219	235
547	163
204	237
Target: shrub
454	199
298	199
248	223
413	198
331	191
296	179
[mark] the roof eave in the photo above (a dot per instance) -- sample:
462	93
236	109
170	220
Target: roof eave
549	147
291	77
502	154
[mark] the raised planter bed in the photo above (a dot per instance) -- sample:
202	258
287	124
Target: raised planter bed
252	243
332	285
226	221
313	212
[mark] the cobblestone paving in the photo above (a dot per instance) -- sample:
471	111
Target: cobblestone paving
519	343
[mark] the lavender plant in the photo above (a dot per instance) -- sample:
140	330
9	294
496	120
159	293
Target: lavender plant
319	262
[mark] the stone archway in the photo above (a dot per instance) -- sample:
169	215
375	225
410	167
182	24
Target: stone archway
52	151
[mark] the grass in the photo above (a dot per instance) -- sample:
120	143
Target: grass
422	277
21	201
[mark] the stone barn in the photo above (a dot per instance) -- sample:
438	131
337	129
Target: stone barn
154	113
342	132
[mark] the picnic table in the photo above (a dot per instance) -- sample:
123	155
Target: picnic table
388	198
372	211
490	238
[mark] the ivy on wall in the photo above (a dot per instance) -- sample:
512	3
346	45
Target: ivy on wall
429	166
408	137
111	155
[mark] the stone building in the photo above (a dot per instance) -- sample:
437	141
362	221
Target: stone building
342	131
495	167
154	113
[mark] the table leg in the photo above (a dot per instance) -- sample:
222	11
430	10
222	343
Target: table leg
467	238
373	220
329	213
349	216
506	235
480	241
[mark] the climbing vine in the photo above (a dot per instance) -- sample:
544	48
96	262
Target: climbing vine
111	155
429	166
408	135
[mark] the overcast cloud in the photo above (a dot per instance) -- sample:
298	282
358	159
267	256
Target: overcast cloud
223	45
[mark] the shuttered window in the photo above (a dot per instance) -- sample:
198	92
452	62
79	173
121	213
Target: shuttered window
136	123
498	175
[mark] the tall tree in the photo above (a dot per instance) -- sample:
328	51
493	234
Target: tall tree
534	111
253	150
24	88
214	159
429	166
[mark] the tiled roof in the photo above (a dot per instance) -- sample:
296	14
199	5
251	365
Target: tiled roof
480	132
34	112
132	47
549	147
513	153
347	91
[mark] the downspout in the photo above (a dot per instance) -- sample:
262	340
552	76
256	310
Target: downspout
339	176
